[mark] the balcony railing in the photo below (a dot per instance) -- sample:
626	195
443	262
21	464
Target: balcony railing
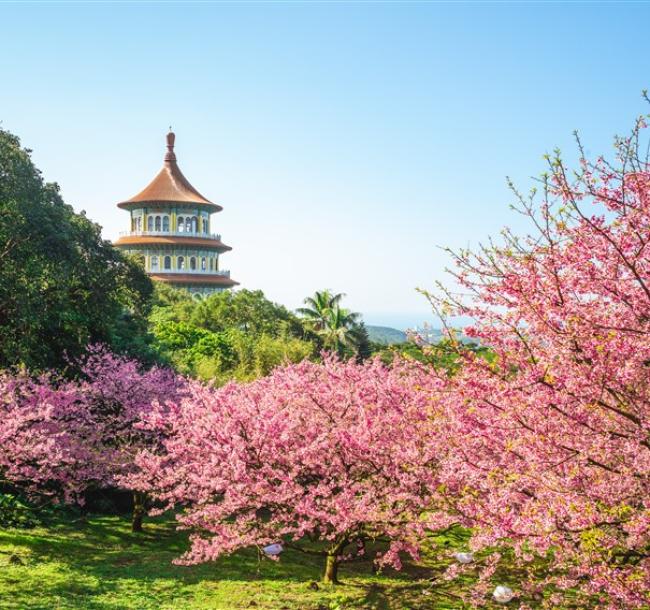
215	236
221	272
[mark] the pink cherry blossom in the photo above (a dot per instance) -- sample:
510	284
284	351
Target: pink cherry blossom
334	452
551	435
60	437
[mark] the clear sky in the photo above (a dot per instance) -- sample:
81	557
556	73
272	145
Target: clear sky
345	141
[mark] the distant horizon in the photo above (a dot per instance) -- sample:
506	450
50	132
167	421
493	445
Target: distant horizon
399	321
404	321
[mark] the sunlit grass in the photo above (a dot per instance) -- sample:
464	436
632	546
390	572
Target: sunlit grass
98	564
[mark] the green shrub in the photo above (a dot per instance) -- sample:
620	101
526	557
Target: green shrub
16	513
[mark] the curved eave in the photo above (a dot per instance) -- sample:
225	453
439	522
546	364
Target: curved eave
191	278
160	203
169	185
152	240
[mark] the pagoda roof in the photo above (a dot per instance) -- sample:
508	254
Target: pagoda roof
172	240
170	185
194	278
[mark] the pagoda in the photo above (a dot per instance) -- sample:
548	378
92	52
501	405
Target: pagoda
171	229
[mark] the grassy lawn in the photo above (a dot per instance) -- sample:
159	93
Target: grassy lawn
100	565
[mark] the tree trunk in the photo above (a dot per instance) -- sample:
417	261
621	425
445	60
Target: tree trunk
331	569
138	511
331	575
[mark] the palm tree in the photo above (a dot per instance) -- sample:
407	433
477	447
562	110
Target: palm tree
340	331
337	327
319	309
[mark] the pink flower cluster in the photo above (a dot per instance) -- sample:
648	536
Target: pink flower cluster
336	452
61	437
40	449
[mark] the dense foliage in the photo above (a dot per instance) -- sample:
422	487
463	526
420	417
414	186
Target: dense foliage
228	335
61	285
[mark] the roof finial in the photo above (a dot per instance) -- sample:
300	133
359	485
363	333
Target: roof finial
171	137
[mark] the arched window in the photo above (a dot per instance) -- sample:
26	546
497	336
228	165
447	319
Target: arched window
206	226
180	223
194	229
203	265
180	264
158	225
188	225
193	263
150	223
154	263
211	263
168	262
166	224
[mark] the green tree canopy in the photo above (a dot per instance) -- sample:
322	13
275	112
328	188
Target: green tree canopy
246	310
61	285
228	335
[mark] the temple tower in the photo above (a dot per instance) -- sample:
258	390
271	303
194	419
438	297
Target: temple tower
171	227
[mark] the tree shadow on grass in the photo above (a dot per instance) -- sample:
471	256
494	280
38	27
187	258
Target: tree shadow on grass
414	596
101	565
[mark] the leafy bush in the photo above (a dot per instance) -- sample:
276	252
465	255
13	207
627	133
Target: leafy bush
227	336
16	513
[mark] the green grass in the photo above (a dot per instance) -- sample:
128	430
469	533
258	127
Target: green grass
99	564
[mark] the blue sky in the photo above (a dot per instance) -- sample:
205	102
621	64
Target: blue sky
345	141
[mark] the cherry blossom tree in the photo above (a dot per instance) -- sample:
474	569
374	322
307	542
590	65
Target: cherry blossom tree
550	436
317	457
40	448
60	437
118	394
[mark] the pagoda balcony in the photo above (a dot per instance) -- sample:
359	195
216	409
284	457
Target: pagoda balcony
214	236
220	272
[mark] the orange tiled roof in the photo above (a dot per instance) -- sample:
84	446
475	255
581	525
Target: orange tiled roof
170	185
172	240
193	278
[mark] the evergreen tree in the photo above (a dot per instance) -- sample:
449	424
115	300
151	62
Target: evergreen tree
363	346
61	285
